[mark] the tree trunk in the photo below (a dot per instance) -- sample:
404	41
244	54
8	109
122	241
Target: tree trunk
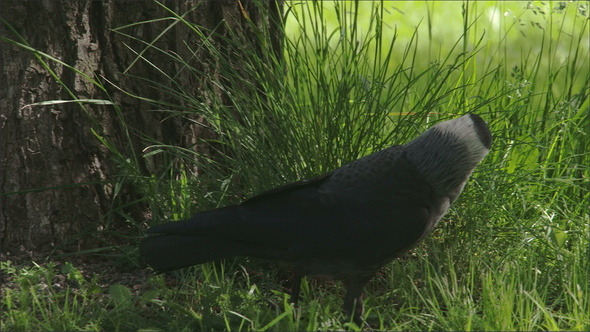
57	180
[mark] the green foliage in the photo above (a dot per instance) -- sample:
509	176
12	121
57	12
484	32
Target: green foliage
353	78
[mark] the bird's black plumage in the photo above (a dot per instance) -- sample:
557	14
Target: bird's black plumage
347	223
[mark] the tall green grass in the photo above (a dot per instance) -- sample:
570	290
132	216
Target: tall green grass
513	253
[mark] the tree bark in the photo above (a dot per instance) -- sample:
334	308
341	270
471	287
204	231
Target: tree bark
57	180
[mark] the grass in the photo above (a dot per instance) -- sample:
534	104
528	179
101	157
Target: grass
511	255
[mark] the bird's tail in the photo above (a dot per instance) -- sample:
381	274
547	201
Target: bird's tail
169	252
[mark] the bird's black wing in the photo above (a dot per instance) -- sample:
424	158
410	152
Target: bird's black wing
271	219
351	212
266	225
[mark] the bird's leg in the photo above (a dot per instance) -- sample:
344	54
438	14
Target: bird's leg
353	301
295	288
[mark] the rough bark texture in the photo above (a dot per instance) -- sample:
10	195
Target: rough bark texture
56	178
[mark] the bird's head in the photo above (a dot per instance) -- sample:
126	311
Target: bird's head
447	153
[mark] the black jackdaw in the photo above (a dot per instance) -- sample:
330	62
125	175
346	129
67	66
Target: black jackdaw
347	223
